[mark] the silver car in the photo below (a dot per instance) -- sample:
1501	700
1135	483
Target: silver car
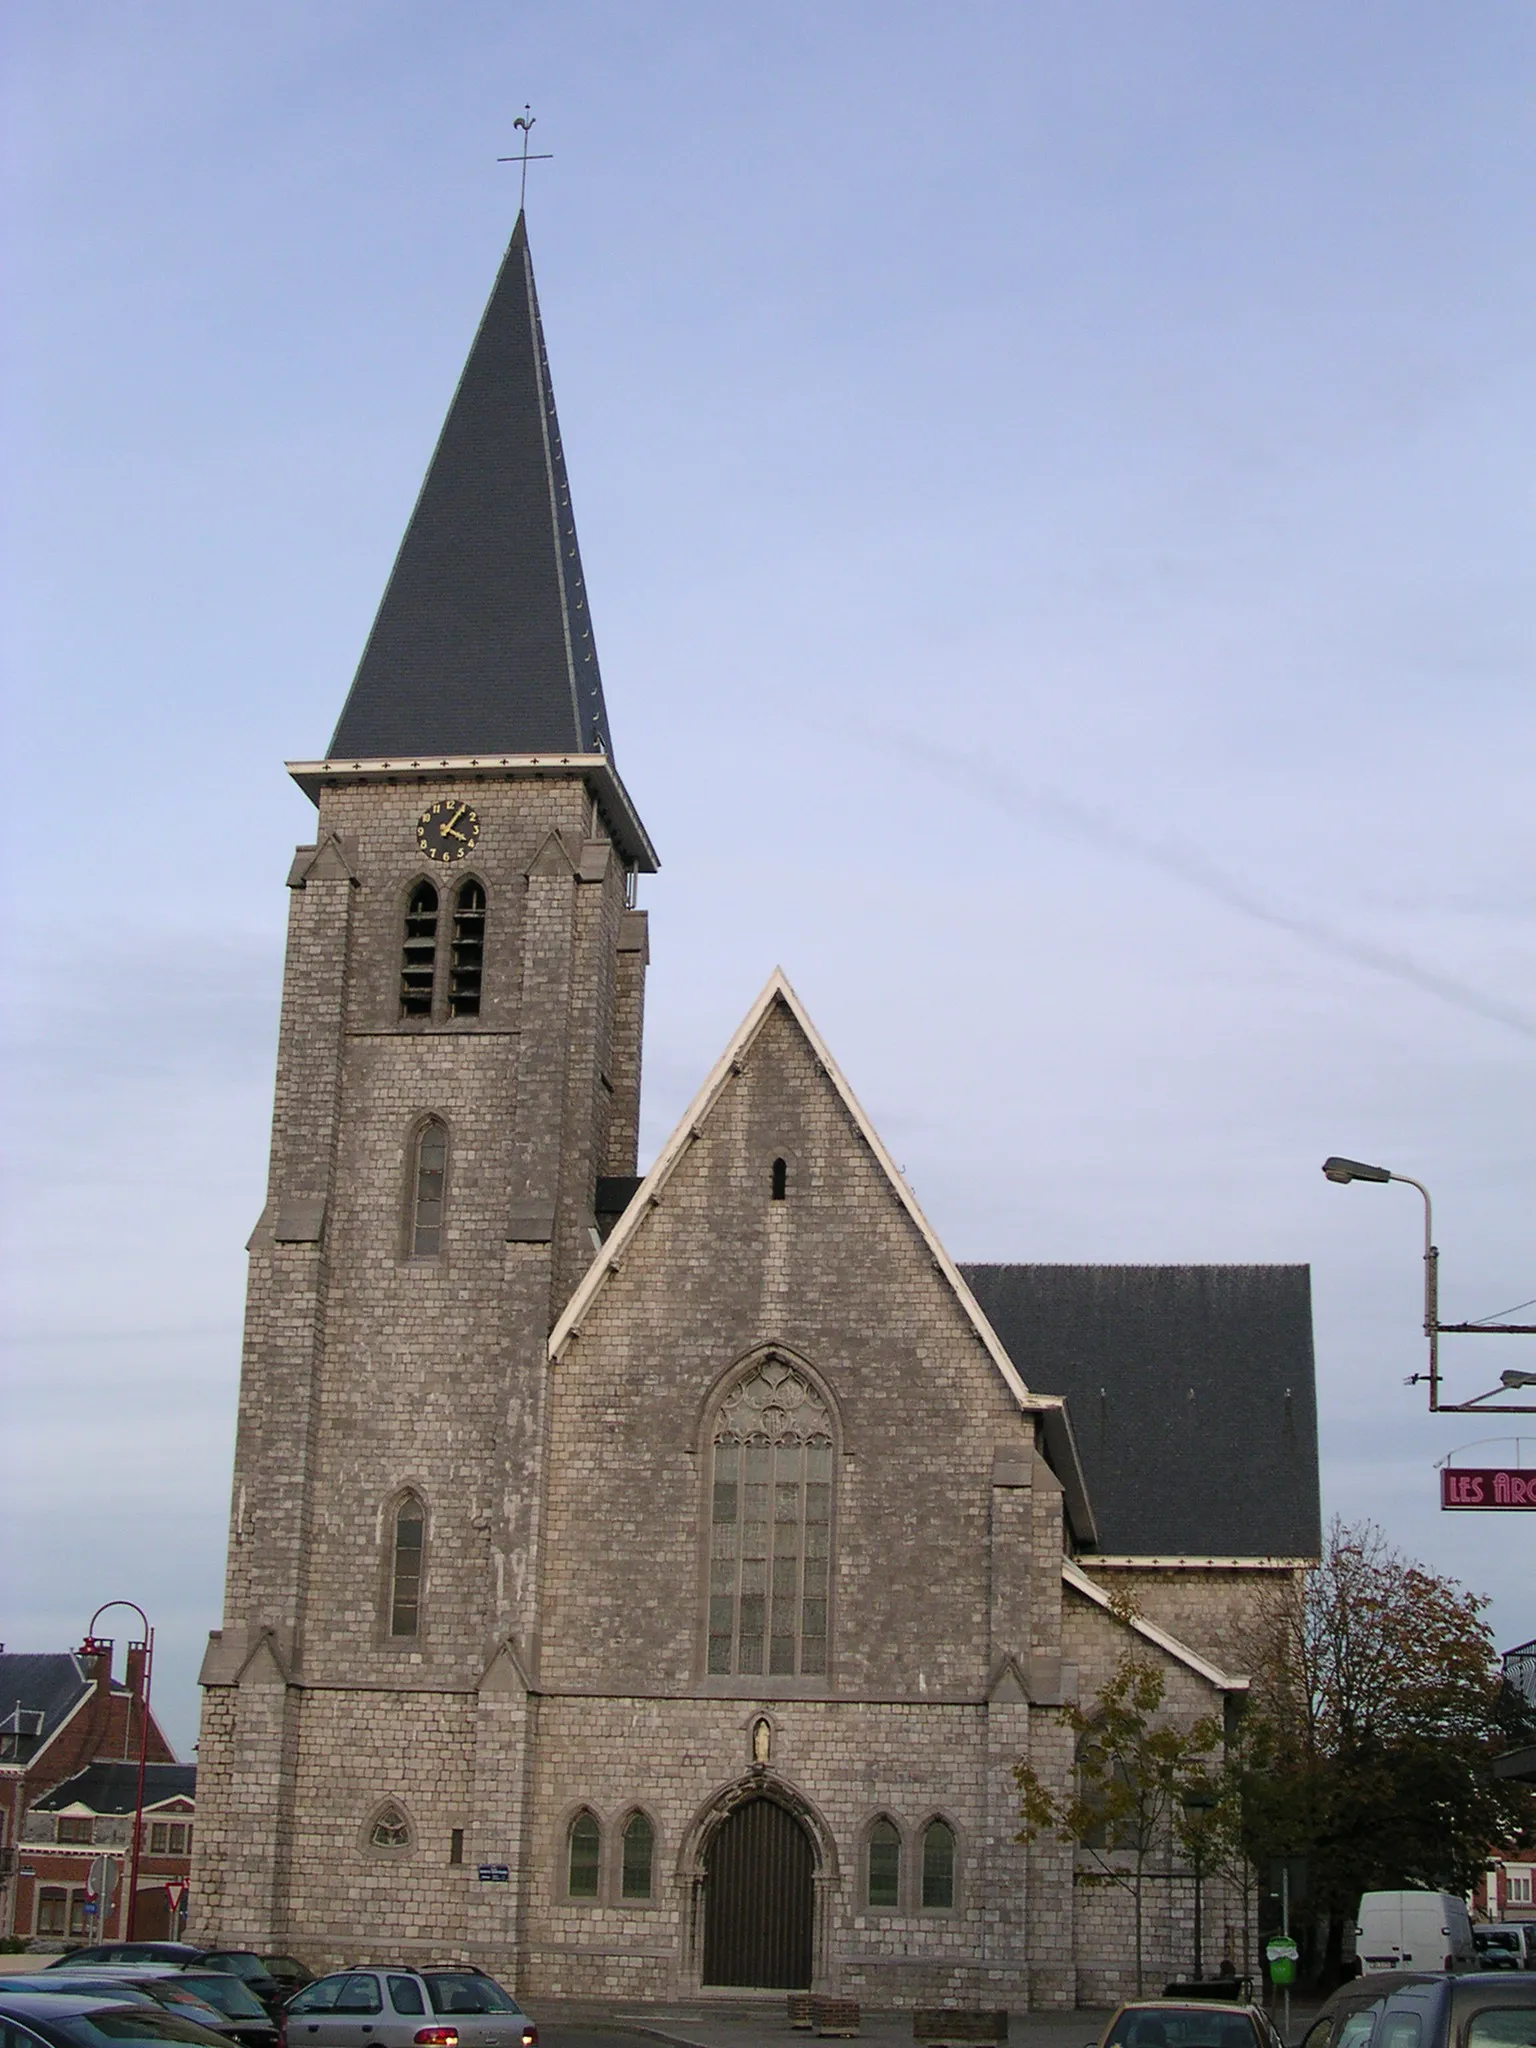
452	2007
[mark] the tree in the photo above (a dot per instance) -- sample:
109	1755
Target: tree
1376	1709
1133	1772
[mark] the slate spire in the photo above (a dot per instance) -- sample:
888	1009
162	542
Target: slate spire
483	642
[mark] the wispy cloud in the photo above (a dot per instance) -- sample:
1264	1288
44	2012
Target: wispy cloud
1191	865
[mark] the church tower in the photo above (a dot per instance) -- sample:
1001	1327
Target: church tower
457	1093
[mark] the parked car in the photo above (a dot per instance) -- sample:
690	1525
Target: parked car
1414	1931
1189	2023
232	1996
402	2007
128	1952
1507	1946
163	1984
289	1972
55	2019
251	1969
1466	2009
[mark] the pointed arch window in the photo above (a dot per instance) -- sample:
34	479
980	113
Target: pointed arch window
391	1829
639	1849
584	1853
771	1526
408	1547
418	964
884	1887
429	1187
938	1864
468	960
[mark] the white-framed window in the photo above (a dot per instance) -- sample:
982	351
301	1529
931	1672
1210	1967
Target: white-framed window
1518	1887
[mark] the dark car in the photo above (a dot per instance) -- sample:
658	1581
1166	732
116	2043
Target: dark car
163	1984
128	1952
290	1973
236	2000
54	2019
1411	2009
1500	1948
1189	2023
251	1969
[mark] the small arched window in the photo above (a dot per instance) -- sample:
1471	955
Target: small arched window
584	1850
391	1829
410	1533
418	964
468	951
780	1179
639	1845
429	1184
938	1864
884	1864
770	1530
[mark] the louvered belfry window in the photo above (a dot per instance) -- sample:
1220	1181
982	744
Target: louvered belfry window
468	951
418	964
771	1527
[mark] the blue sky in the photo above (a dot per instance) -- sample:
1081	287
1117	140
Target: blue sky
1054	485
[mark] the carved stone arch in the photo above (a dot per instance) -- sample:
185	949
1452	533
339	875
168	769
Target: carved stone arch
740	1369
693	1849
389	1831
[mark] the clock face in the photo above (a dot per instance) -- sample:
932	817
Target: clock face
448	830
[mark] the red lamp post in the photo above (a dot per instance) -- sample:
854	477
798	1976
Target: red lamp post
93	1645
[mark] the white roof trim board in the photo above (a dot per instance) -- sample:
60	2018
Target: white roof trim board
1224	1681
777	989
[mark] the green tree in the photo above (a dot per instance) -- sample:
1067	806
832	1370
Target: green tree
1376	1711
1133	1772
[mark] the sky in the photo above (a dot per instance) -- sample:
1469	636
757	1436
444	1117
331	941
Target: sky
1054	485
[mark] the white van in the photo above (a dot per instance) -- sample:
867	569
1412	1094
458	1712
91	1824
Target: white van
1414	1931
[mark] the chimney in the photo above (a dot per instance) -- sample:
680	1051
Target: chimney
135	1672
96	1653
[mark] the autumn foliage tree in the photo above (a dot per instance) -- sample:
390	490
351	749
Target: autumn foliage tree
1376	1711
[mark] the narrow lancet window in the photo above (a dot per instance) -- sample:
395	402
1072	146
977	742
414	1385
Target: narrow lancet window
780	1179
884	1864
639	1843
418	964
584	1858
468	951
770	1534
938	1864
428	1188
405	1569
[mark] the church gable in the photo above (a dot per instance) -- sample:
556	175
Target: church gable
773	1312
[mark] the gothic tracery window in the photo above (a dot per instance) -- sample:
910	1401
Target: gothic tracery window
410	1529
418	962
428	1189
771	1528
391	1829
639	1847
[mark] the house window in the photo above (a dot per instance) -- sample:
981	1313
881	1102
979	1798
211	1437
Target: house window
181	1838
52	1905
938	1864
77	1913
75	1827
1520	1888
468	951
418	963
405	1571
428	1187
639	1842
884	1864
157	1835
583	1856
391	1829
771	1527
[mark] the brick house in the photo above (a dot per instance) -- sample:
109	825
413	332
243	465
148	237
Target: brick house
91	1815
647	1586
62	1712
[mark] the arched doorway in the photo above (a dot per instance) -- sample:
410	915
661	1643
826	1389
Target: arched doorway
759	1896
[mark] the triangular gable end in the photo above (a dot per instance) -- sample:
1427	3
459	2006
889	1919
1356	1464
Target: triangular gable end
777	990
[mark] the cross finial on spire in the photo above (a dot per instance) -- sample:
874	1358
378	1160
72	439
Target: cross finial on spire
525	121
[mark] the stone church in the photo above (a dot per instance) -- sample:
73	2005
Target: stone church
648	1585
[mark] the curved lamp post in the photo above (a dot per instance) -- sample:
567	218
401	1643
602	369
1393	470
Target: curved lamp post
1343	1171
92	1646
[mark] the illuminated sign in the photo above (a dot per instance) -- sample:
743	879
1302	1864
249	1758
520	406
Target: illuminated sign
1493	1486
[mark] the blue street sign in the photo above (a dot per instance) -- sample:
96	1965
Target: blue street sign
495	1873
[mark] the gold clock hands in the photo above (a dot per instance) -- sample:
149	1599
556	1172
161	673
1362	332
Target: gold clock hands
455	819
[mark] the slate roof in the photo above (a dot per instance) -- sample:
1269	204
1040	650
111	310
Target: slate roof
483	642
1191	1393
113	1788
51	1684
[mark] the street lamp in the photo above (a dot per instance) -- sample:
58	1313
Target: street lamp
94	1645
1342	1172
1198	1801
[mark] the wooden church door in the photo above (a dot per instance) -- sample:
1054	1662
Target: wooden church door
758	1900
